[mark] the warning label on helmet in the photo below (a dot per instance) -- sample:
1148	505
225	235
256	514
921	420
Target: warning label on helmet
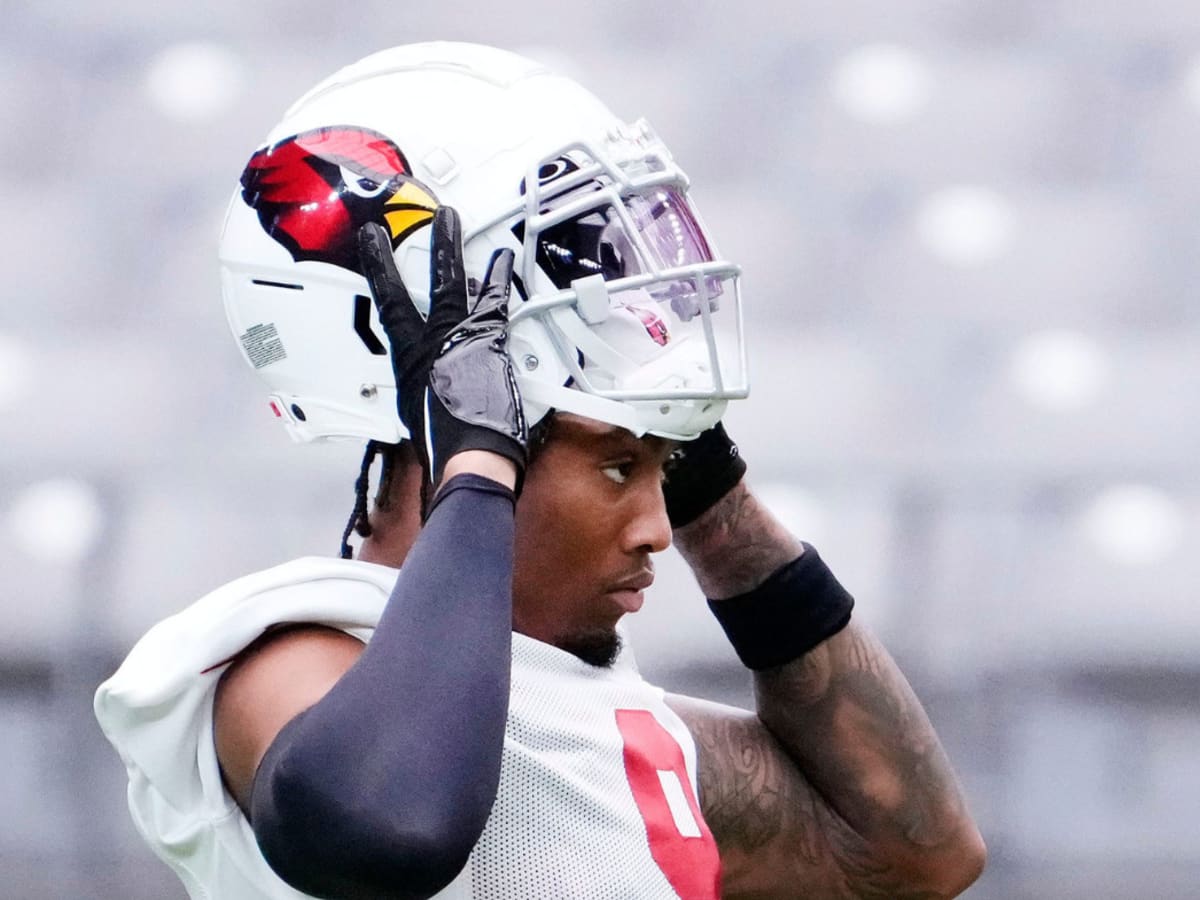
262	345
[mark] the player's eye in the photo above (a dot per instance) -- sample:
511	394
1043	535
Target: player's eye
618	472
361	185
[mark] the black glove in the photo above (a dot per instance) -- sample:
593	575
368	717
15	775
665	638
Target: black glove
455	385
700	473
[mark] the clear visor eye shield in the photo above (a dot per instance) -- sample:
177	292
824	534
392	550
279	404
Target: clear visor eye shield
617	266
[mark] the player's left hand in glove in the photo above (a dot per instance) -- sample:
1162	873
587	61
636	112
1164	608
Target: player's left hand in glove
701	472
455	385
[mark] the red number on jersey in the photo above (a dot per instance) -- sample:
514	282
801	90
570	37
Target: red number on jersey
680	841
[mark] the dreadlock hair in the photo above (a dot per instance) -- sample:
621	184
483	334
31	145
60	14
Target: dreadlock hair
360	522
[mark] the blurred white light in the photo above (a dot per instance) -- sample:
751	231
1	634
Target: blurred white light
1134	524
1191	81
1059	370
56	521
966	225
16	370
194	81
800	512
881	83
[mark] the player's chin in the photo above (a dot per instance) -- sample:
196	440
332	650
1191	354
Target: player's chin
596	646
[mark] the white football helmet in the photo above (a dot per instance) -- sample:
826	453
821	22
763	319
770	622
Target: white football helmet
621	310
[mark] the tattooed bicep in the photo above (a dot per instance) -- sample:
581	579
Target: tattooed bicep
771	827
777	835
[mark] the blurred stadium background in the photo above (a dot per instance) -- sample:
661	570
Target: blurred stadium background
970	240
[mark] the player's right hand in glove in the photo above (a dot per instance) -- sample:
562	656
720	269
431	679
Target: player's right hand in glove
701	472
455	385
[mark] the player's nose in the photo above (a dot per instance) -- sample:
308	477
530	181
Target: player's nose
648	529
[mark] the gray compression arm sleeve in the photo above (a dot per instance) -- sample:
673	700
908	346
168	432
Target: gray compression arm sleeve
383	787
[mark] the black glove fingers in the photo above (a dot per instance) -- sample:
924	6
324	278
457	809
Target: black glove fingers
447	279
455	385
497	284
400	320
703	471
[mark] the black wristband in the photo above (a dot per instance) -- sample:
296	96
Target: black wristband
704	471
797	607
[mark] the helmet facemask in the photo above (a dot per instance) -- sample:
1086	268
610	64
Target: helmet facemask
617	269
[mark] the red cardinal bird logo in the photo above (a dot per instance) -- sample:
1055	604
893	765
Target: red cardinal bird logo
655	326
313	191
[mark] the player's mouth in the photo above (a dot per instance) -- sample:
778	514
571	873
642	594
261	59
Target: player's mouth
629	593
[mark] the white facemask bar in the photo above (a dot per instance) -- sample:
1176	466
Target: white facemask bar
561	308
568	330
653	157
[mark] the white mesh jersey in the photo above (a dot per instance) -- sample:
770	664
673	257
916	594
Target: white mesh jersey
597	793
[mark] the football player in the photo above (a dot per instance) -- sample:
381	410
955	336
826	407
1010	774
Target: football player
467	261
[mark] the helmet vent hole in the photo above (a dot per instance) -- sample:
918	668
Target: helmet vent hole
299	413
262	282
362	326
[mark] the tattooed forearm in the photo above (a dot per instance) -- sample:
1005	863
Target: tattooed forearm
868	878
851	721
778	836
734	546
839	788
